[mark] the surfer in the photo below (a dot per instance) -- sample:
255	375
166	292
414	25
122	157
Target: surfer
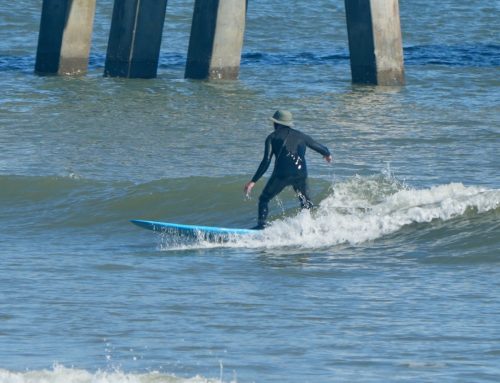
289	148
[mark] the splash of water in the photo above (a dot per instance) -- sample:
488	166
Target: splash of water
62	374
363	209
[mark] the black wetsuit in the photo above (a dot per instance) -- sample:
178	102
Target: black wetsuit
289	148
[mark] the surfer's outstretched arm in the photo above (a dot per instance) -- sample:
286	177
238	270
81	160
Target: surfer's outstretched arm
264	165
317	147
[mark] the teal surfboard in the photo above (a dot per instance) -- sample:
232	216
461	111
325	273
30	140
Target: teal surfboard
193	231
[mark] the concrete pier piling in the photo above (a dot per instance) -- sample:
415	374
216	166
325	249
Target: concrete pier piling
216	39
135	38
375	42
65	37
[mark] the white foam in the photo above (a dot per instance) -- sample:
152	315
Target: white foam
61	374
361	210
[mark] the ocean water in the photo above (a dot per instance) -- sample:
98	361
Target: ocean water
393	277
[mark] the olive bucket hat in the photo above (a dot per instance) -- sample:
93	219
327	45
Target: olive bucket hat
282	117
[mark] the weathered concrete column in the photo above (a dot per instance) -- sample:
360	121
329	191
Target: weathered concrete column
216	39
375	41
135	38
65	36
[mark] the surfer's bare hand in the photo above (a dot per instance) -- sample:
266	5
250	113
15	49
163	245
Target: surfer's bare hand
248	187
328	159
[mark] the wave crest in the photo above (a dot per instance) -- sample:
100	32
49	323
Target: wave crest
362	210
60	373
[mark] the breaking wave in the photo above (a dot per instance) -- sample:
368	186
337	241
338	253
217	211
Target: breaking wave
73	375
366	209
352	211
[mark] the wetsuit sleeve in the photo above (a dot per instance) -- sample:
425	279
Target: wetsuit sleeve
316	146
266	160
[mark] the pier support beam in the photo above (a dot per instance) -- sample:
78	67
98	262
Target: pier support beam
216	39
135	38
65	36
375	42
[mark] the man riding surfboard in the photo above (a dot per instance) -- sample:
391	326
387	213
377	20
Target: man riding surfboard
288	146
